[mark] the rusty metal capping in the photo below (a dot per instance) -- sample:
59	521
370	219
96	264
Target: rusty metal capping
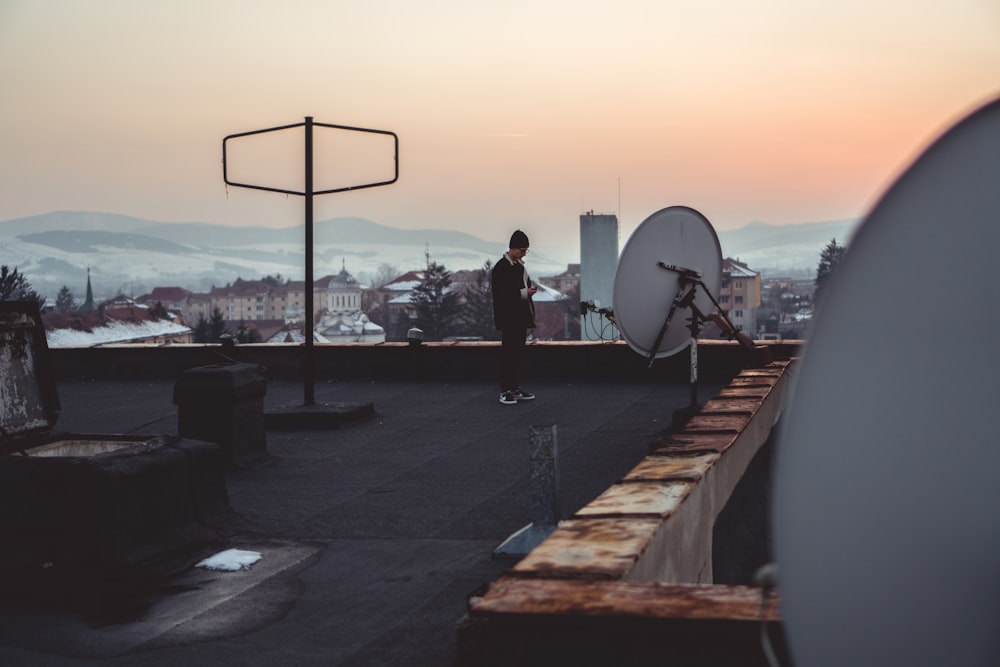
742	392
645	599
716	424
638	499
774	368
730	405
692	442
760	374
759	386
677	467
762	380
589	549
755	381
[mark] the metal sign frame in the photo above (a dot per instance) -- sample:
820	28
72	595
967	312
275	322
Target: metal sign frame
309	124
308	367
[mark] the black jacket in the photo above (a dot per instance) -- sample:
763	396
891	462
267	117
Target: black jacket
512	305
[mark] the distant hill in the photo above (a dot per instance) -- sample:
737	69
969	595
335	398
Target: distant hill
789	250
71	221
131	255
338	230
96	242
343	230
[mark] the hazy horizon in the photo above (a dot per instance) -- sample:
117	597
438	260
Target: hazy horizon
513	115
132	255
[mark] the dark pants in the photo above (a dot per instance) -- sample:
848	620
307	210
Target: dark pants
511	349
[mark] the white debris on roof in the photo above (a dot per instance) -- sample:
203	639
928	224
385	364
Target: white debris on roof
735	269
230	560
402	286
403	298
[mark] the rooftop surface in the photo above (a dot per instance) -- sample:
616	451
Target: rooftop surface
373	535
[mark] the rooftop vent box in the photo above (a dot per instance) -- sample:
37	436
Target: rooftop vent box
90	503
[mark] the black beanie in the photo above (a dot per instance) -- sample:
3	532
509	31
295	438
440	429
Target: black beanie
518	240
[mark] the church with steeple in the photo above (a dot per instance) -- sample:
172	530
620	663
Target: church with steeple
342	318
88	305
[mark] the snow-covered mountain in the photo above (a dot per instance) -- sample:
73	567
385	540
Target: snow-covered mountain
131	255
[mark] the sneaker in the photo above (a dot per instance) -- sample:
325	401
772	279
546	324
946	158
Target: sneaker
522	395
507	398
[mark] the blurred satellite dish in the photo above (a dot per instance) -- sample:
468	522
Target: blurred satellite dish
665	256
887	492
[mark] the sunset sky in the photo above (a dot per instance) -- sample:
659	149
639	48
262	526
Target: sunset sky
522	113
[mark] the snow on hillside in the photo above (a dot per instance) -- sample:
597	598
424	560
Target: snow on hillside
58	248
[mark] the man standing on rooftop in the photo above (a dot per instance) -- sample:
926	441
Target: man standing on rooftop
513	314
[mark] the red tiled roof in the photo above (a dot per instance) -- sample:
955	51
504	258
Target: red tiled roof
168	294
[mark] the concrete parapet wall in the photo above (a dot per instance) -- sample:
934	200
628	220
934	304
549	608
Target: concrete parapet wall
647	539
570	361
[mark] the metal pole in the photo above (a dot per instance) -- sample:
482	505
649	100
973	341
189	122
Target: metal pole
694	361
309	369
544	481
544	476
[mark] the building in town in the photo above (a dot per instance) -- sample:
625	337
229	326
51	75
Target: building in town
739	294
598	259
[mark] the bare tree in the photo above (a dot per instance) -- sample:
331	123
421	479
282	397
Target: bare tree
385	273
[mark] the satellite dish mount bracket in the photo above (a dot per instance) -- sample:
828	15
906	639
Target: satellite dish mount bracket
689	282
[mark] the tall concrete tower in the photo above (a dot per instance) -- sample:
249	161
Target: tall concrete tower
598	261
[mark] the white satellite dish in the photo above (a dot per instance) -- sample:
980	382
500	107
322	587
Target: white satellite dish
664	250
887	493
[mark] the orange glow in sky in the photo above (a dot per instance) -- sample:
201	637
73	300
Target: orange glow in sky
523	113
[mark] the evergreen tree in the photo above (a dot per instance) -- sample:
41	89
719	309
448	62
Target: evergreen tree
211	330
245	334
477	315
438	306
201	333
273	281
829	260
15	287
159	311
216	326
65	302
